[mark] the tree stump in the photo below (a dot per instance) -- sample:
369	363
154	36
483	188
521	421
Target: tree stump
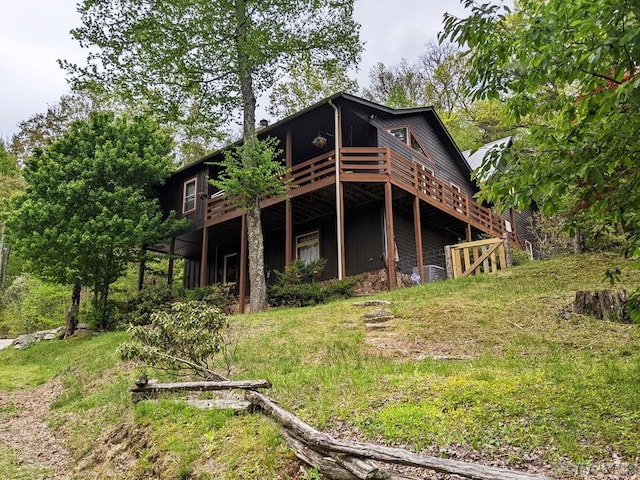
602	304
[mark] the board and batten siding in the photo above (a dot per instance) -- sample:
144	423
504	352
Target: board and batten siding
172	194
363	236
433	242
443	165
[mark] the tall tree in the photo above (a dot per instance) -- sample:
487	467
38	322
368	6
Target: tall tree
89	203
199	62
570	70
398	86
41	129
306	84
438	79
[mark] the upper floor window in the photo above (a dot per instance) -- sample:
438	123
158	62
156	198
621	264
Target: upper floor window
308	246
406	136
189	195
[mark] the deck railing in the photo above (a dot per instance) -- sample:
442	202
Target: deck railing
376	164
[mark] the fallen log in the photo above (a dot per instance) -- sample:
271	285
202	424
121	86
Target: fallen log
324	443
327	465
338	467
151	390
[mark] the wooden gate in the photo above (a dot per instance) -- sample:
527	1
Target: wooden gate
482	256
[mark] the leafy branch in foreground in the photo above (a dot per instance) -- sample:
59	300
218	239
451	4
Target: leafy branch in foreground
183	341
251	172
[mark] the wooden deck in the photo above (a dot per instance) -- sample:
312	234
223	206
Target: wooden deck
377	165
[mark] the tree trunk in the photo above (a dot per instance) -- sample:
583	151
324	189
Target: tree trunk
142	266
577	241
258	295
602	304
72	312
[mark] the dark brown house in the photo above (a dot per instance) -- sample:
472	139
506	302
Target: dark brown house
372	184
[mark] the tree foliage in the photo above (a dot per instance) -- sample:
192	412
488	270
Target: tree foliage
197	63
183	340
89	205
437	79
570	71
307	84
247	187
183	59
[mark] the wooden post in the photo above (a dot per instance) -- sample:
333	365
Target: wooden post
204	257
172	248
391	243
288	232
448	261
343	260
507	252
514	231
417	227
468	232
288	229
242	288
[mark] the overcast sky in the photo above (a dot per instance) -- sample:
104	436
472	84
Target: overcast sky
34	34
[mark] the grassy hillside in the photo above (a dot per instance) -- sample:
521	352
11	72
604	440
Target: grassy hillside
494	368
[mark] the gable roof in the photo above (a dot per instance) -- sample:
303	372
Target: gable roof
375	108
475	158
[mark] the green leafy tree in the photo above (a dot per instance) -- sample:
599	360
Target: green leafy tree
200	62
437	79
89	204
307	84
399	86
570	71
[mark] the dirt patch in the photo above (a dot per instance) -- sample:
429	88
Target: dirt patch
397	345
24	430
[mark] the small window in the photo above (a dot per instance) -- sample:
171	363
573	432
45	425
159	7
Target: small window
407	137
399	133
308	246
189	196
416	145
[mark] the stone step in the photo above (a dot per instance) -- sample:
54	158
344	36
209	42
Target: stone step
378	316
372	303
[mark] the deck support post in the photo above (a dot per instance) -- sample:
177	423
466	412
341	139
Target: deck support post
288	230
242	287
469	239
288	233
204	257
172	249
417	227
391	243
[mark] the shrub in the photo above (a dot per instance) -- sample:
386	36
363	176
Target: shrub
30	304
301	272
518	256
296	286
183	340
334	289
138	310
219	295
296	295
632	308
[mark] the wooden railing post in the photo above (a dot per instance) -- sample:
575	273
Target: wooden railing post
448	261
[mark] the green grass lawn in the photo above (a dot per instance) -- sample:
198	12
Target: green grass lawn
495	365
